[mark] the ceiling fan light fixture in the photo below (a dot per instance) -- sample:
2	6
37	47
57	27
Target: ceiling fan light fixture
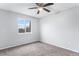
40	8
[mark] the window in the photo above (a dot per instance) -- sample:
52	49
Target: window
24	25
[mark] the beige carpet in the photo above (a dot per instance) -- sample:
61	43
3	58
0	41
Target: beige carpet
37	49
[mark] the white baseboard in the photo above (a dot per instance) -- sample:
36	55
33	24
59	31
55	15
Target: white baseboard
59	46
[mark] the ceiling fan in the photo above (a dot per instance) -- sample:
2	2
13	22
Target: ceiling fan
42	6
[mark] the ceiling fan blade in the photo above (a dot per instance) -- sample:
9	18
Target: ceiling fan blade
38	4
41	4
33	8
38	12
46	9
48	4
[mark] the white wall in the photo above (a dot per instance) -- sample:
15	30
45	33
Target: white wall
9	36
62	29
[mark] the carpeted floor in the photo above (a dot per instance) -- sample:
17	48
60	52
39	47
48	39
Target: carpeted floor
37	49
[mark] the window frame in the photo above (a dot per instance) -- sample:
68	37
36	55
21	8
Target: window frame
25	27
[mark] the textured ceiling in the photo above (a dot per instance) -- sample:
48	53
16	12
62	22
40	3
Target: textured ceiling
23	8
